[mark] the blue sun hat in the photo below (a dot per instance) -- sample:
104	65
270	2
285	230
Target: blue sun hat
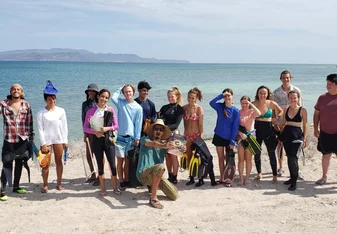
50	89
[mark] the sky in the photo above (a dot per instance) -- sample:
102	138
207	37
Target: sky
200	31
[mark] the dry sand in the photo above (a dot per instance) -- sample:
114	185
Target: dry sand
257	208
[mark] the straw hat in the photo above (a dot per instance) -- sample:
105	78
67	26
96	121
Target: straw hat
167	132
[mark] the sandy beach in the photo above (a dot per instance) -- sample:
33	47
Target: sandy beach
258	208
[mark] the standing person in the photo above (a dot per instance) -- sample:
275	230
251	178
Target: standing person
193	123
325	116
149	109
151	168
265	130
90	102
293	138
172	114
130	116
100	121
280	96
53	133
248	113
17	130
226	128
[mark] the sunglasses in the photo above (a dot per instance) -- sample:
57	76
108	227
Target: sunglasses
159	129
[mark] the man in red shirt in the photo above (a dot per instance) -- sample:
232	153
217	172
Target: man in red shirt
18	131
325	116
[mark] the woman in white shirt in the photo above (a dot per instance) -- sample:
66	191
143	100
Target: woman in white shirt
53	132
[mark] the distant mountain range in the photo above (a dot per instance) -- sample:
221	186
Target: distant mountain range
72	55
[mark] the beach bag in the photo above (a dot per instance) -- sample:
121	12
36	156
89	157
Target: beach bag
44	158
133	156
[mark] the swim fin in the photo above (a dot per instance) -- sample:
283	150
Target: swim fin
183	161
194	165
254	146
230	167
35	155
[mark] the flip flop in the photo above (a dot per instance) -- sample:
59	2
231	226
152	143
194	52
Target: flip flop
117	192
321	181
102	193
44	190
60	187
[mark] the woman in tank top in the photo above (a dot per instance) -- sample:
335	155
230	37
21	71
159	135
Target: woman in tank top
294	135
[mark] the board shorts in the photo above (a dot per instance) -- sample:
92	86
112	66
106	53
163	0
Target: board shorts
327	143
123	145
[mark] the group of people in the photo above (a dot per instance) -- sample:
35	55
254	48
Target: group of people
19	137
139	136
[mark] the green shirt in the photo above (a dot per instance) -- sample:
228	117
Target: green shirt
149	156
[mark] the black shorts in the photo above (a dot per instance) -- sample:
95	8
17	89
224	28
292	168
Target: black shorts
327	143
219	141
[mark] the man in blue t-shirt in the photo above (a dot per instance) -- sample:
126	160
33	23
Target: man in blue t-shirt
149	109
151	168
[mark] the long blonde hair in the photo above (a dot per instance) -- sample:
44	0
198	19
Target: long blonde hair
176	92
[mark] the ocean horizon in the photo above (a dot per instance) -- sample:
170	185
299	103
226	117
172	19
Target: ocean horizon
72	78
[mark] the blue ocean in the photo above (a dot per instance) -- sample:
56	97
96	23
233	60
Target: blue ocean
72	78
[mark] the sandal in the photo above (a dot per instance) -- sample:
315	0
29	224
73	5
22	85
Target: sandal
19	190
321	181
59	187
117	192
246	183
220	182
155	203
103	193
274	181
258	177
228	185
44	190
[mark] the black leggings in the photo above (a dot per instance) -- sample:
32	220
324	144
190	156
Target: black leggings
292	150
264	133
99	147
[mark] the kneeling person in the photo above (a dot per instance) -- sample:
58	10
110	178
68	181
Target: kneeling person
150	170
